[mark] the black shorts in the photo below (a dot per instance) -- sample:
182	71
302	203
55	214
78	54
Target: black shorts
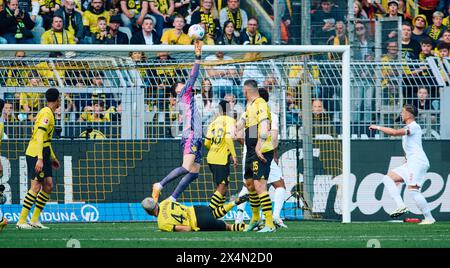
221	173
46	169
255	168
206	220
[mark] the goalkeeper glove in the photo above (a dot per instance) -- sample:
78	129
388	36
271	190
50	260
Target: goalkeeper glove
198	49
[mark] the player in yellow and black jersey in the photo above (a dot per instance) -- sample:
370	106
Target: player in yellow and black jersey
40	160
257	121
219	141
175	217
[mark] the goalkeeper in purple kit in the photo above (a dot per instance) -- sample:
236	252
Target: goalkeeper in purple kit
191	141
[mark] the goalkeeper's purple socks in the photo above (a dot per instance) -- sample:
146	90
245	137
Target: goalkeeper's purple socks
184	183
173	175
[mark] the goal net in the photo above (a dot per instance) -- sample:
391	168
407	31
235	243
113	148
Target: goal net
118	129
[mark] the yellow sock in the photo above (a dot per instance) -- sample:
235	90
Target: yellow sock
41	199
216	200
222	210
255	204
266	205
28	202
238	227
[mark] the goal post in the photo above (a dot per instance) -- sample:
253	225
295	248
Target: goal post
113	153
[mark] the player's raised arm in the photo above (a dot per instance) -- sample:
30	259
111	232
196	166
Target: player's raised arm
187	89
390	131
408	115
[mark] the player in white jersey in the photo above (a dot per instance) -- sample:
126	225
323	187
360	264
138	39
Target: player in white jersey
414	170
275	176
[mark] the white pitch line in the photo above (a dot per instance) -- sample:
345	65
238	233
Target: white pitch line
357	238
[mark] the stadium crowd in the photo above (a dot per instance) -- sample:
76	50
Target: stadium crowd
125	22
167	22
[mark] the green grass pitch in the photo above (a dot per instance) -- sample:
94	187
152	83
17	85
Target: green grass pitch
300	234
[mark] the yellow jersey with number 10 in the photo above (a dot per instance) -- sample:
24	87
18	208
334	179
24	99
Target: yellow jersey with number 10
220	135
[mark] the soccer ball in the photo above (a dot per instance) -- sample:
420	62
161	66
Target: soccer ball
196	32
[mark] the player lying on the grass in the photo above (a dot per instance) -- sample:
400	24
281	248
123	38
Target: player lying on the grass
414	170
220	143
174	217
275	176
40	161
191	141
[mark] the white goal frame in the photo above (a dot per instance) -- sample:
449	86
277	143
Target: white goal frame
344	50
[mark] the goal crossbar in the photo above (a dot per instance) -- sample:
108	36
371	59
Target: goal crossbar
344	50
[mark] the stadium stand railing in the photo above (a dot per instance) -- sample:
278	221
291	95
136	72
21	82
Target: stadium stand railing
124	99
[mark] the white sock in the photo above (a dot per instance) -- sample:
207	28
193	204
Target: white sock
239	216
278	199
393	191
421	203
244	191
159	185
1	215
241	207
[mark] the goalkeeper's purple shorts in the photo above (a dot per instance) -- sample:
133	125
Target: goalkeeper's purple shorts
192	145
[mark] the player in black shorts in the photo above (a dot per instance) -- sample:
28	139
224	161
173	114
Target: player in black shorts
220	143
257	122
40	161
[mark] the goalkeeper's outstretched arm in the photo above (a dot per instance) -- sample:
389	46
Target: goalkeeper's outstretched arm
195	69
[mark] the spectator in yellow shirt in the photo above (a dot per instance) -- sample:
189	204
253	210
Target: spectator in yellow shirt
57	35
30	102
95	113
133	12
162	10
101	36
47	10
90	17
176	36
